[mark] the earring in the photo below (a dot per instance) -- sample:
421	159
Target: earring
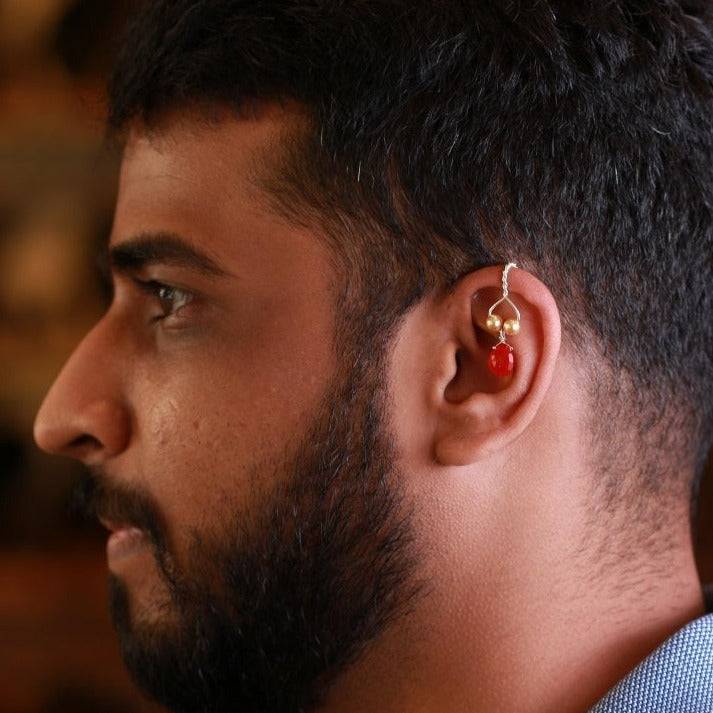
501	360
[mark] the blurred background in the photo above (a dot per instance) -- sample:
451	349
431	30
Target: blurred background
58	652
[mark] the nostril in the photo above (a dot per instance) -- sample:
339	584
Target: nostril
84	442
85	448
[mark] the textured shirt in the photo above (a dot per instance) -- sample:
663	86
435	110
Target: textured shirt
677	677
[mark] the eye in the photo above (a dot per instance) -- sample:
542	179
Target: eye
171	299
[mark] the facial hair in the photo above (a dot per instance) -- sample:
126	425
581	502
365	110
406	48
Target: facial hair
265	615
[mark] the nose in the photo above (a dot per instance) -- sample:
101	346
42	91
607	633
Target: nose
84	414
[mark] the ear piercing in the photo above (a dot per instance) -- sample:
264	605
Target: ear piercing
501	360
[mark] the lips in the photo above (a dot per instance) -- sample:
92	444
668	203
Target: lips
125	542
125	539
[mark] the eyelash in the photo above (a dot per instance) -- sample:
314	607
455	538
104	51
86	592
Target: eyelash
155	290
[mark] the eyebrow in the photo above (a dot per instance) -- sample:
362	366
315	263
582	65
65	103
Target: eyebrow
162	247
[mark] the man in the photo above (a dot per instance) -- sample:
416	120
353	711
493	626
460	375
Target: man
321	496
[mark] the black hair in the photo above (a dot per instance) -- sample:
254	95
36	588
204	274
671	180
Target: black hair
445	135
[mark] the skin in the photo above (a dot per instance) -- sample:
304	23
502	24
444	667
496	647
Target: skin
497	469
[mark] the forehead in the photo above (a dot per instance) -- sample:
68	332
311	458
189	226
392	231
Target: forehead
199	181
196	167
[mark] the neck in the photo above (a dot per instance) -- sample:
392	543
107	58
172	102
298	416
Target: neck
537	634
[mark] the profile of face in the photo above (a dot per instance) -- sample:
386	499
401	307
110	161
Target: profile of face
218	415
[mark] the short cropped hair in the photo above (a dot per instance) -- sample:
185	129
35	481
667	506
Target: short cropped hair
445	135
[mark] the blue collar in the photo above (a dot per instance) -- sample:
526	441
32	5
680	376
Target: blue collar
675	678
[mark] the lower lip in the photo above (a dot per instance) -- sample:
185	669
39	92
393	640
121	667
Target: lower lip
123	543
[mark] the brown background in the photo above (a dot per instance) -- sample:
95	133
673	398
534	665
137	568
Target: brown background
58	653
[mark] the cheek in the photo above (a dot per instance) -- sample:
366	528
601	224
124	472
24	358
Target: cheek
214	433
218	412
197	449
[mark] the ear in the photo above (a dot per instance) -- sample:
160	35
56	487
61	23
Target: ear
476	412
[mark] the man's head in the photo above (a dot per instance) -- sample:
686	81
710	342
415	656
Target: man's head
289	393
219	417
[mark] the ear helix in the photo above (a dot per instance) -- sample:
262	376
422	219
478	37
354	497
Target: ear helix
501	360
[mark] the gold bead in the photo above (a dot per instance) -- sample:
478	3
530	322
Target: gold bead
512	326
494	323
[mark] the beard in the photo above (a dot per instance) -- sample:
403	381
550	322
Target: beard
266	613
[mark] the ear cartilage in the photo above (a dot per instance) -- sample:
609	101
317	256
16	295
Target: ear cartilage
501	360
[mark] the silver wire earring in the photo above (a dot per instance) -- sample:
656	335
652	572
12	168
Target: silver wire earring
501	360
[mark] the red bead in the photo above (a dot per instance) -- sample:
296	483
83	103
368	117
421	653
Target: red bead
501	360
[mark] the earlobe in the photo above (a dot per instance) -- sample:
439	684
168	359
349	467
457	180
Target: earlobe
482	409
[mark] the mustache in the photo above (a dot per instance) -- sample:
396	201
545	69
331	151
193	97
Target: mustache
94	496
